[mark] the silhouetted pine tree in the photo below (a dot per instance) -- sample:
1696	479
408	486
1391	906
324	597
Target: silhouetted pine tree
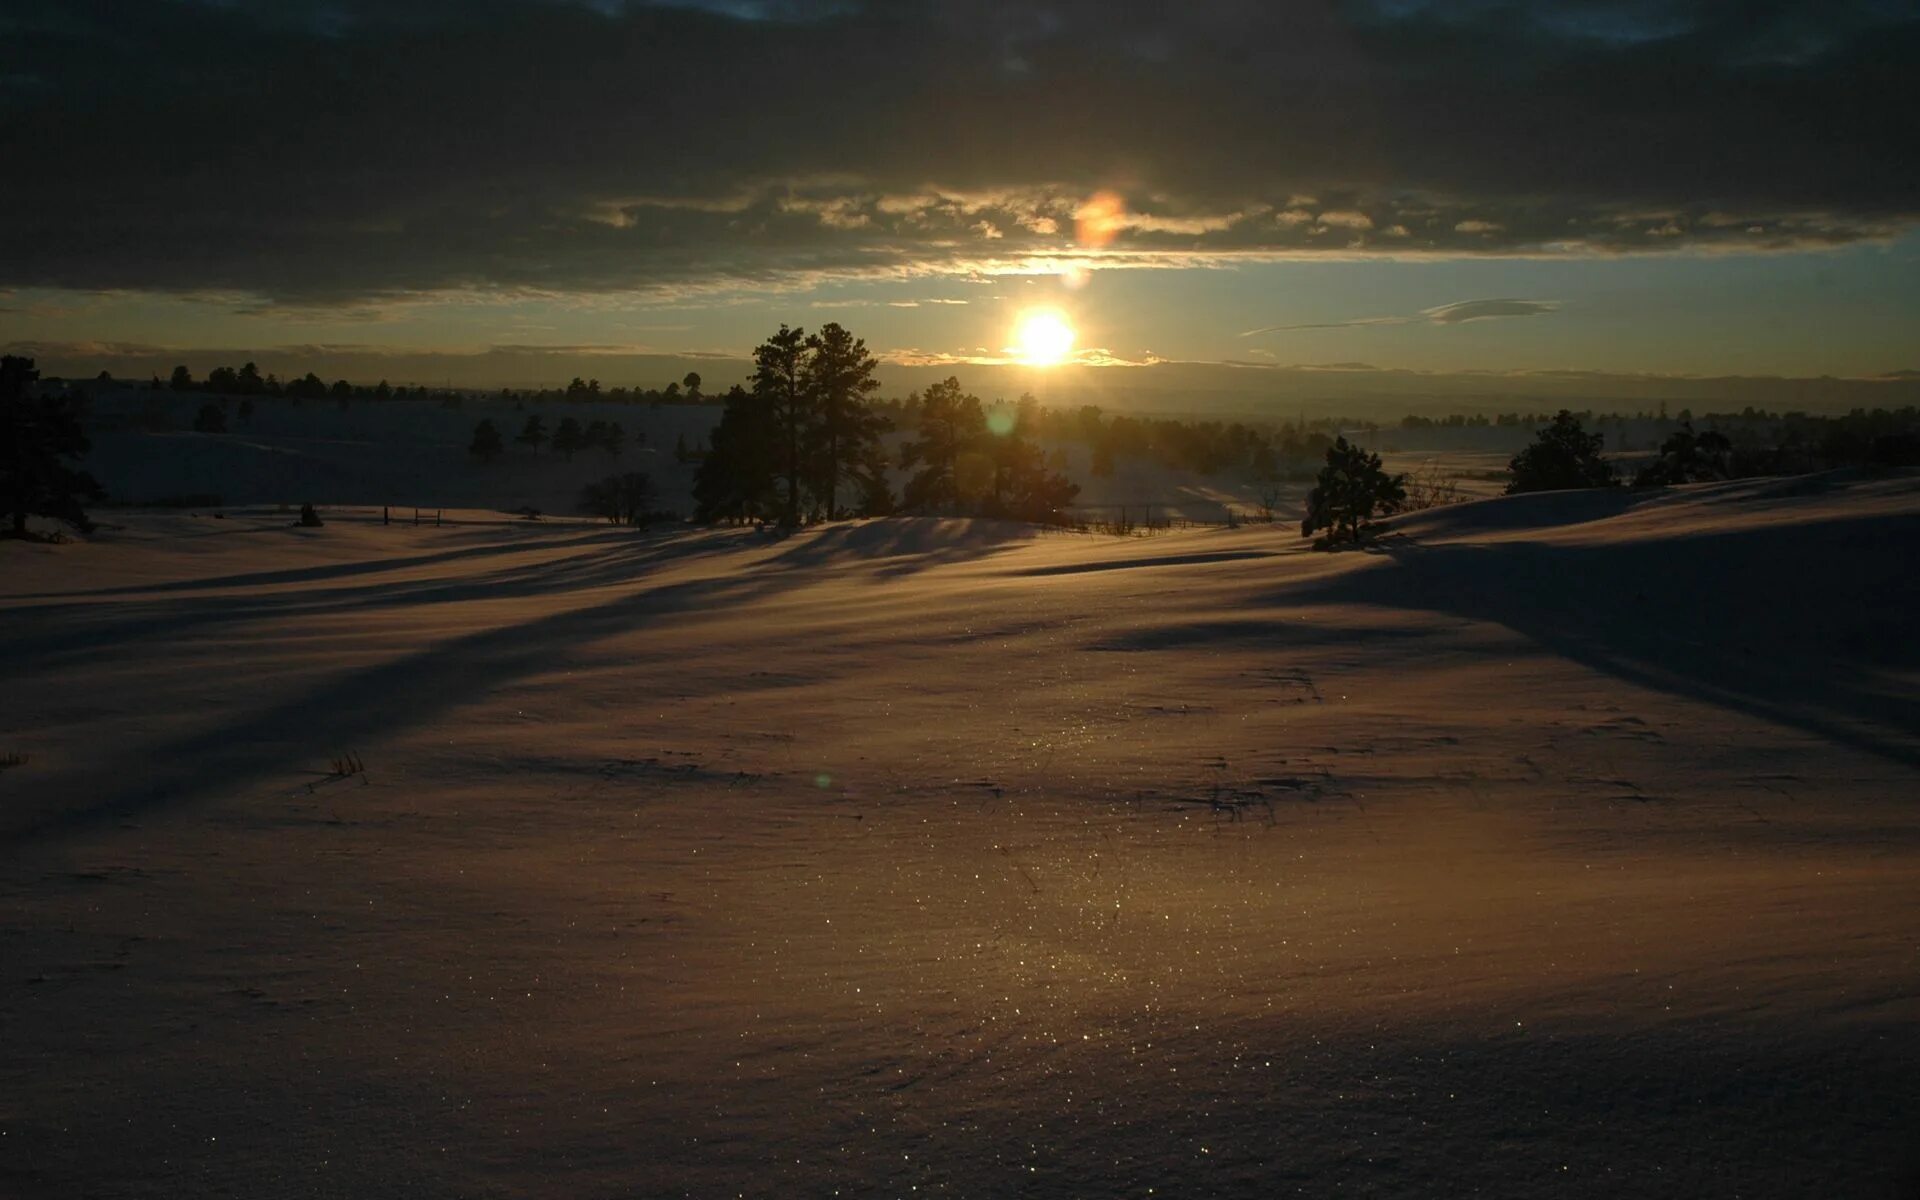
838	377
486	445
1562	456
870	478
1688	457
738	479
1351	489
37	433
951	421
532	434
779	381
567	438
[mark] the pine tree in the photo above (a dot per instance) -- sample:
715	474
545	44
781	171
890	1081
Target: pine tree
870	479
1023	485
1352	487
533	434
951	421
37	433
486	445
779	381
738	479
567	438
1688	457
838	378
1562	456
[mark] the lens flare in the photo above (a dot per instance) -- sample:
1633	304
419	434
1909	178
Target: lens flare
1100	219
1042	337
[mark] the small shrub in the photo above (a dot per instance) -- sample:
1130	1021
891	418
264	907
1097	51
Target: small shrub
1426	489
621	499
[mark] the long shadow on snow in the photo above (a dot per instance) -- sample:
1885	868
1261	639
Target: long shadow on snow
378	701
917	544
107	630
326	571
1787	623
375	703
1164	560
904	545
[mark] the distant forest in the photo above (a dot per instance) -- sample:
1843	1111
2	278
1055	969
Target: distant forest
803	441
1206	446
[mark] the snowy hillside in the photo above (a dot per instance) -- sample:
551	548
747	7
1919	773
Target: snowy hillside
1564	845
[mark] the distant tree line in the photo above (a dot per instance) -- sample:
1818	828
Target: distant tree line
247	380
588	391
1564	455
568	438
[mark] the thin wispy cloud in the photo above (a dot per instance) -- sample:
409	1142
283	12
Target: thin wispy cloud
1460	312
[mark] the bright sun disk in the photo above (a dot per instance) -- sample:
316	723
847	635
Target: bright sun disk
1042	337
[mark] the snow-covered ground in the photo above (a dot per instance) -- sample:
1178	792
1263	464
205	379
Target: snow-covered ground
1564	845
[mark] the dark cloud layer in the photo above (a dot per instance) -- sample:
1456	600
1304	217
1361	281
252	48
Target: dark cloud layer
321	150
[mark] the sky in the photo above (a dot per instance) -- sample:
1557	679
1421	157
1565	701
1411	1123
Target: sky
501	190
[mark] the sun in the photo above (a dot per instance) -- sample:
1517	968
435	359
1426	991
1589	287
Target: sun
1042	337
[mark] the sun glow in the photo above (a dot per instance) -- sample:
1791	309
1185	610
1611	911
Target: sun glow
1042	337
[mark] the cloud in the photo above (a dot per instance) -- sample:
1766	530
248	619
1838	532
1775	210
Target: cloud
354	149
1459	312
